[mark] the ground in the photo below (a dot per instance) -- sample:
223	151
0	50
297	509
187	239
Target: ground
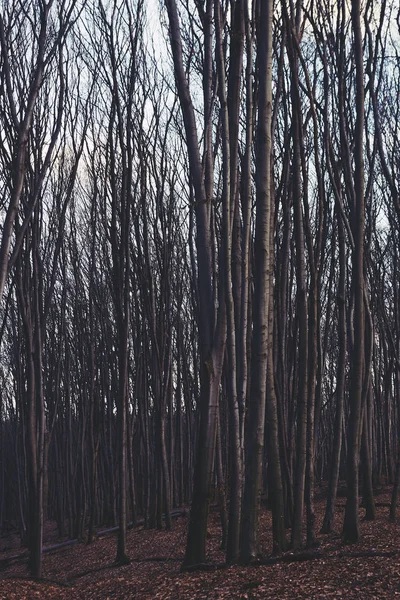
369	569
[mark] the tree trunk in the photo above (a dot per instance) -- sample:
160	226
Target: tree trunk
235	492
122	557
351	531
262	249
212	334
301	302
368	492
221	493
274	454
327	526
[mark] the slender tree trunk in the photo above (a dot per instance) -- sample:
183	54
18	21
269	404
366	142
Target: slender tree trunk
243	340
327	526
165	473
301	301
235	492
396	488
196	540
221	493
122	557
275	492
351	531
312	376
256	404
396	485
179	428
212	331
368	492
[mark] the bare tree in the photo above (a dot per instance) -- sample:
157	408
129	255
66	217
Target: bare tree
44	31
351	519
262	249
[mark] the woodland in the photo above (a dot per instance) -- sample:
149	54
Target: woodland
199	293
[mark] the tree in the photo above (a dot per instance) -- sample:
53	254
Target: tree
259	355
35	111
22	89
212	344
351	518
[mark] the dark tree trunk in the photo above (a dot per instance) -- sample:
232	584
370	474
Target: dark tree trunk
259	349
327	526
351	531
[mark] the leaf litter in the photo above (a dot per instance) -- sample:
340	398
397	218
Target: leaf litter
369	569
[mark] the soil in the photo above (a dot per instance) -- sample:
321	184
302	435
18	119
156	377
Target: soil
366	570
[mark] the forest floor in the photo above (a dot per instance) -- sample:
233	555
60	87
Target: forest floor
369	569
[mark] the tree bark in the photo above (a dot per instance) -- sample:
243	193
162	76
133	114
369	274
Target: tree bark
351	531
262	249
327	526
